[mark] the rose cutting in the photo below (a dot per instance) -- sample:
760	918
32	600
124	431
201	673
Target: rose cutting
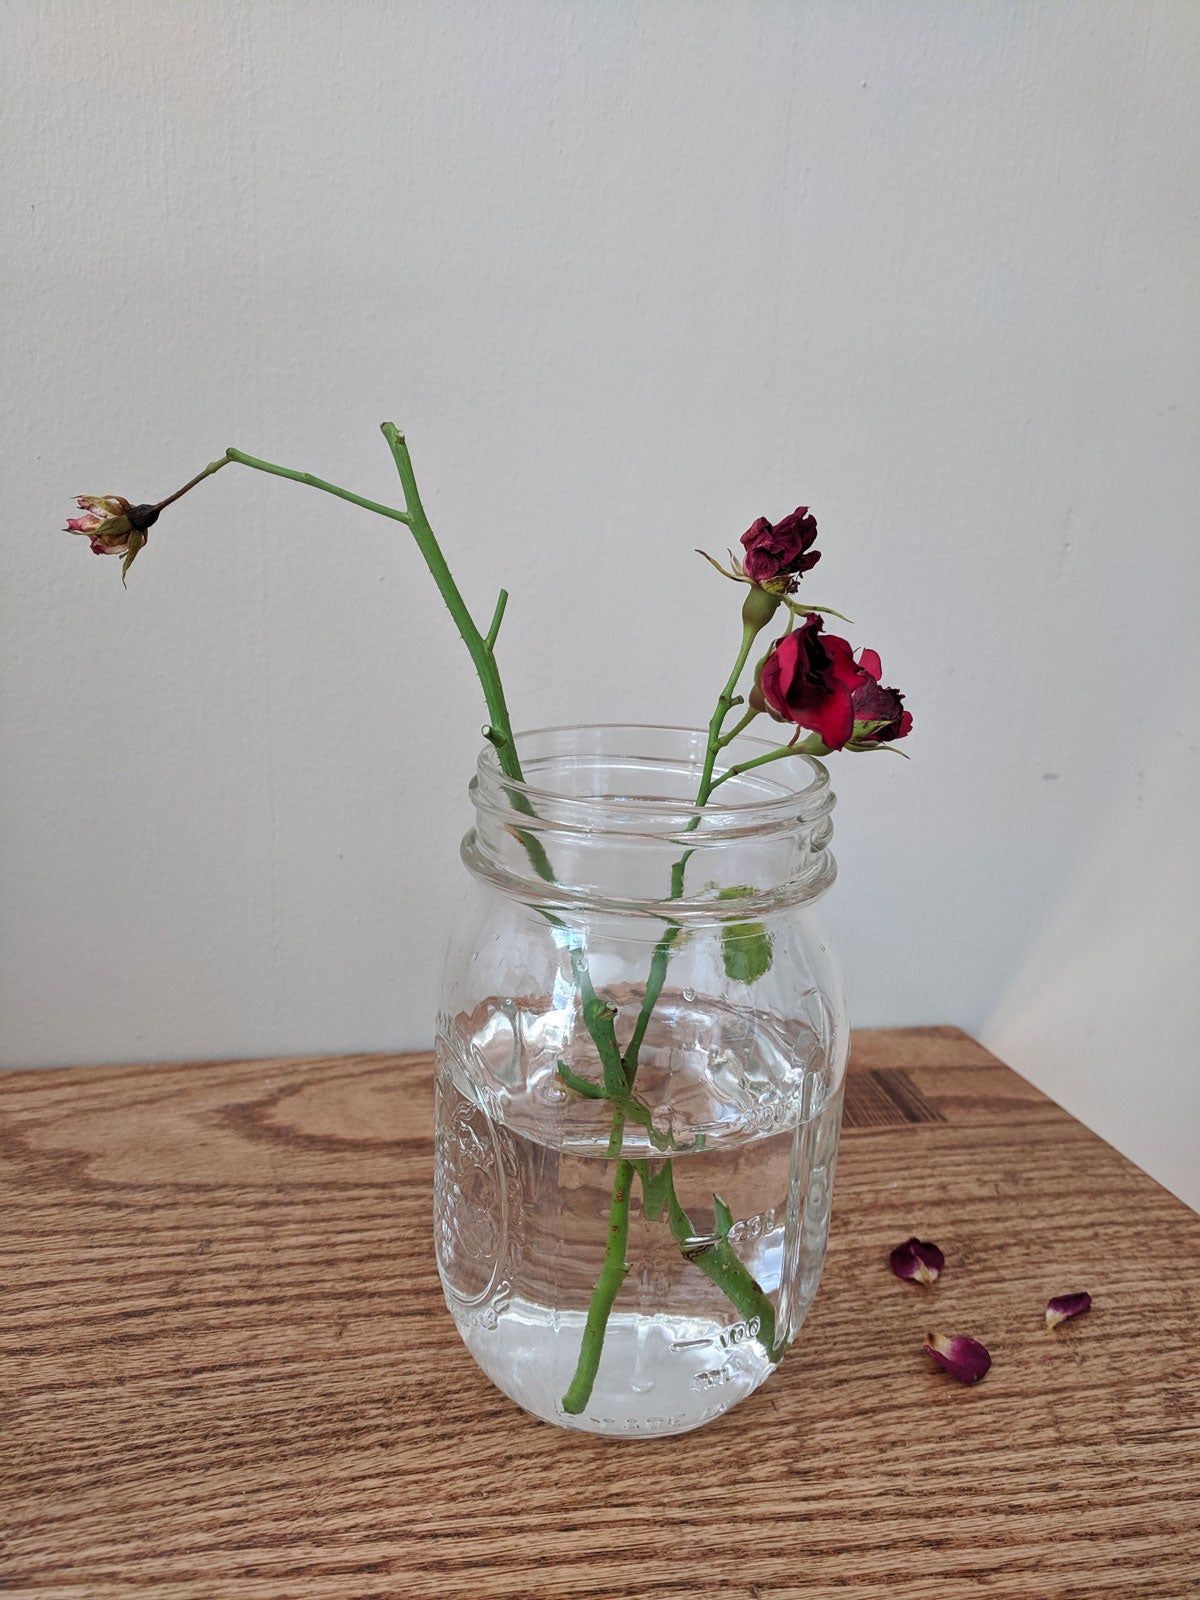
810	682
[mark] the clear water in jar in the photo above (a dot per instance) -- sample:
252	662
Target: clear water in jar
524	1186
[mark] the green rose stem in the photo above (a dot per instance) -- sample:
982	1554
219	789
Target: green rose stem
756	613
719	1262
760	606
608	1285
814	745
597	1017
751	627
716	1259
213	466
738	727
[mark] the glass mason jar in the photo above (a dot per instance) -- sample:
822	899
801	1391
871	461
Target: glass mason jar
641	1046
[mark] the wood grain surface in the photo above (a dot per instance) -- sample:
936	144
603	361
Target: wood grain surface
228	1371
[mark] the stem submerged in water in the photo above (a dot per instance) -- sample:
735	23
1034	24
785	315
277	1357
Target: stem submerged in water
608	1284
720	1264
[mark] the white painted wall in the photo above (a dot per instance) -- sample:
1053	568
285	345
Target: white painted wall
629	274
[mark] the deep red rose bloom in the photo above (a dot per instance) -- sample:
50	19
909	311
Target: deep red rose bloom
873	703
780	550
809	678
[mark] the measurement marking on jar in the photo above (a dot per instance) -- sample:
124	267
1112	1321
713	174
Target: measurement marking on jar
740	1332
713	1377
750	1228
640	1424
727	1339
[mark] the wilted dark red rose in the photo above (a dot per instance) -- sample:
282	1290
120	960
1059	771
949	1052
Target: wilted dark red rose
875	704
777	553
809	678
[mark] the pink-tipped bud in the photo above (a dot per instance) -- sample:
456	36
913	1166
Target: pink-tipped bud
112	526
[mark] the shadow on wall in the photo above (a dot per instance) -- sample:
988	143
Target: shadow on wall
948	936
1102	1000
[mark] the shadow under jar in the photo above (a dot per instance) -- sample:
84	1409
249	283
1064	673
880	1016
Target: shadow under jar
640	1057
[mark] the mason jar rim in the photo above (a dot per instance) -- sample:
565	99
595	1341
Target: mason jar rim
607	852
788	803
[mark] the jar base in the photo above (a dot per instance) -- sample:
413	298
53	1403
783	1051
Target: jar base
689	1371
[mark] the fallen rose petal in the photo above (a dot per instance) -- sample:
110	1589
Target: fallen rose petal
1066	1305
963	1358
917	1261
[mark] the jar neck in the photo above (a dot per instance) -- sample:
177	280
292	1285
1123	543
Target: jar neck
607	814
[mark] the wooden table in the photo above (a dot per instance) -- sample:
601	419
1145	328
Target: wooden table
229	1373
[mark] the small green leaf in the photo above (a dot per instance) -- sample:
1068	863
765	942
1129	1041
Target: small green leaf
745	946
870	745
723	1216
746	949
801	608
137	540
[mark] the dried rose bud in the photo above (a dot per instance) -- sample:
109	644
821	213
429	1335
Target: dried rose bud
879	714
1064	1306
112	526
963	1358
95	508
777	553
917	1261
